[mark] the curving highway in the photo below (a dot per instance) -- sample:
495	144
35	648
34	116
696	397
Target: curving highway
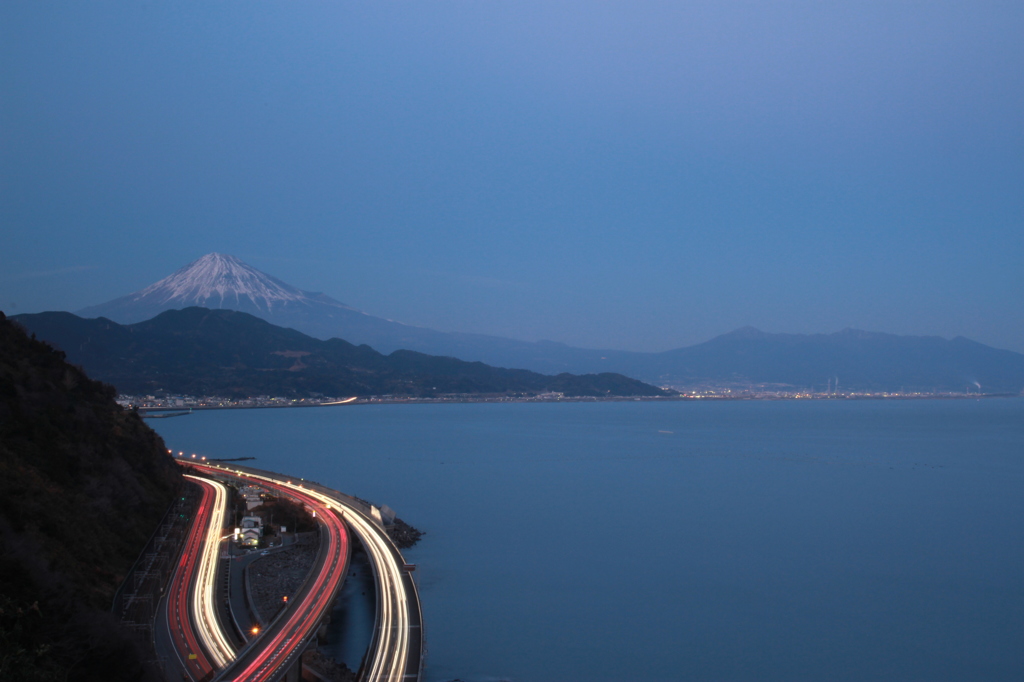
395	653
204	604
194	637
391	645
397	639
284	640
196	633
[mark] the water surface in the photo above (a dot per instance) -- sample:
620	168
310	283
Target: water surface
685	541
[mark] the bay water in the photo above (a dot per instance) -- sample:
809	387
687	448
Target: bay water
741	540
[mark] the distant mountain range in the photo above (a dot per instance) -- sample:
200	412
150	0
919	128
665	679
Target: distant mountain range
219	281
198	351
853	359
858	360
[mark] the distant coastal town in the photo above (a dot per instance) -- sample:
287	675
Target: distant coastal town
183	403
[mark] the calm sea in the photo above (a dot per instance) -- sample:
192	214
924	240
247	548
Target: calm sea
685	541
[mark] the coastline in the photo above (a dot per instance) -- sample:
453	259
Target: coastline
194	404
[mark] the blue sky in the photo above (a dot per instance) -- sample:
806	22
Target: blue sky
628	175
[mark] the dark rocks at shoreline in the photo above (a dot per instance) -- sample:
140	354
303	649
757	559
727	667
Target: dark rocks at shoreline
403	535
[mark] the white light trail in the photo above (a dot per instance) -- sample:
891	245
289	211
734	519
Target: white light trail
389	658
204	601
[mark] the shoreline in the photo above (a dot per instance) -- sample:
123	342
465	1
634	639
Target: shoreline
249	404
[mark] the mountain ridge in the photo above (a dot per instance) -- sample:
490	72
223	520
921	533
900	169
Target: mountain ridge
212	279
860	359
230	353
322	317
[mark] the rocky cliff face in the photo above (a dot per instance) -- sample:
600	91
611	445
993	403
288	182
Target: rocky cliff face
83	484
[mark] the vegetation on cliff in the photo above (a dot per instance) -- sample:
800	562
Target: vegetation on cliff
83	485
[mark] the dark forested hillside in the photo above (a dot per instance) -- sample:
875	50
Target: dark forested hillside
83	484
198	351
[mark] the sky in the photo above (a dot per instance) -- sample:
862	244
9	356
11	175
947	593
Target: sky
629	175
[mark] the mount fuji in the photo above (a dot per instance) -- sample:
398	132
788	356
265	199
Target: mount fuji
864	360
221	281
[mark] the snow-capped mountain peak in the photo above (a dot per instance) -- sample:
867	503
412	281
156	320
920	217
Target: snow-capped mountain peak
220	281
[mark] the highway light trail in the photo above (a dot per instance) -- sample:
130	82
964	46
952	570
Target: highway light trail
303	618
391	650
393	622
391	658
180	620
204	601
276	649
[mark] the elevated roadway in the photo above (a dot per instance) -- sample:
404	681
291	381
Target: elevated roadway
189	610
204	599
396	650
279	645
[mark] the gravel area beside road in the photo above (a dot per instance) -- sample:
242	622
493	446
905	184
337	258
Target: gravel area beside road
280	573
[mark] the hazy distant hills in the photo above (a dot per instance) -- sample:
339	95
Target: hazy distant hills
223	352
856	360
219	281
860	360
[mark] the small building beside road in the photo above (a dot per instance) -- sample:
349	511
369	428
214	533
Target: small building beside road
250	531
